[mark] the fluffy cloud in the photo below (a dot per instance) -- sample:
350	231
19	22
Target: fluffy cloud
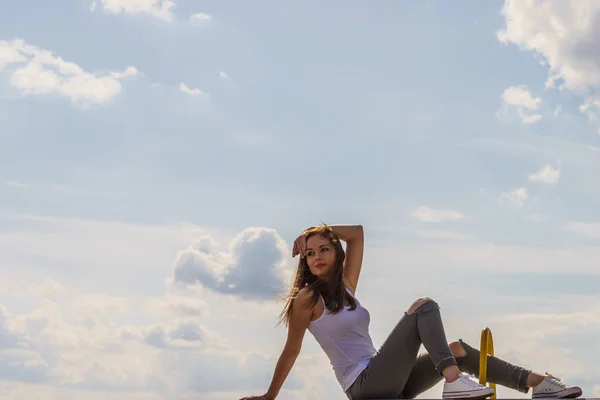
565	34
252	267
547	175
566	37
184	306
39	72
200	17
68	346
427	214
161	9
524	104
10	336
10	54
516	197
179	334
178	357
83	344
19	360
192	92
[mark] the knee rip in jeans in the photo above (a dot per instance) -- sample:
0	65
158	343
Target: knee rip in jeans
427	304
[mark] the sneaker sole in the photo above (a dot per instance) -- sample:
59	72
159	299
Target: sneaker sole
572	393
479	396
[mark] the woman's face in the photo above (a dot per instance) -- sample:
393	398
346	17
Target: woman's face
320	256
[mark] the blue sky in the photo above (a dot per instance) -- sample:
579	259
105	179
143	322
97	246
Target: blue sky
151	150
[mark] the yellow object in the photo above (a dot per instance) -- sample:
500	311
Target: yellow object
487	347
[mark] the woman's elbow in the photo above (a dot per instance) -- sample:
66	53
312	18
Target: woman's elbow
359	232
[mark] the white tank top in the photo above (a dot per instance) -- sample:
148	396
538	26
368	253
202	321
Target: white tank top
345	338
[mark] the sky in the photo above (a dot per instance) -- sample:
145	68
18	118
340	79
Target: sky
159	157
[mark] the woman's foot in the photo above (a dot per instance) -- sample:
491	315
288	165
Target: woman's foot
552	387
466	388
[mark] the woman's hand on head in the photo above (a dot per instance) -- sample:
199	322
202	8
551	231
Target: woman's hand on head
299	246
261	397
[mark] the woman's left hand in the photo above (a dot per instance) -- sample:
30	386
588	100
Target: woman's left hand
263	397
299	246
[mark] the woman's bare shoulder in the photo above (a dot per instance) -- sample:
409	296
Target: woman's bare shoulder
305	296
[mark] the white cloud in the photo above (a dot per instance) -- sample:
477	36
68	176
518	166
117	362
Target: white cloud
45	74
67	346
520	96
565	35
161	9
9	333
524	104
72	347
591	108
200	17
9	54
252	267
427	214
22	365
223	76
516	197
183	334
19	360
183	306
192	92
547	175
129	72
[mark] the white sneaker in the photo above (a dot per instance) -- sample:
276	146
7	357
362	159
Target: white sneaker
466	388
552	387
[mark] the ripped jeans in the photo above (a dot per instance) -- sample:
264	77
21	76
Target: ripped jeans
397	371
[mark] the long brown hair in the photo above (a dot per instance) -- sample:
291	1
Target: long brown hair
333	292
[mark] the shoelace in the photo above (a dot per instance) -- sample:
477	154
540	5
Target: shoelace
466	378
555	381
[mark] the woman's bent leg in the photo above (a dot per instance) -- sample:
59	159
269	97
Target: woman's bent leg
422	377
389	370
433	336
498	371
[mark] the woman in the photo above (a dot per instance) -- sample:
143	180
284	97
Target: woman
322	301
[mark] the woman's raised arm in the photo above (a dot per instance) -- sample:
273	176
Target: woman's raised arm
354	237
